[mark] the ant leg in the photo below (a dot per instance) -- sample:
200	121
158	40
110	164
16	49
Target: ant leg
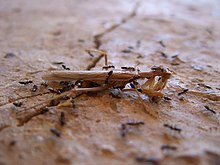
107	78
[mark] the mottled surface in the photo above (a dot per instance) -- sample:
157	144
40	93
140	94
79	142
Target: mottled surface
35	34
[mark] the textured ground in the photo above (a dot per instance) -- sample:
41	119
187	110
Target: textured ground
182	35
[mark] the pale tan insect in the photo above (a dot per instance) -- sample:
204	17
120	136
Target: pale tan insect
152	85
155	80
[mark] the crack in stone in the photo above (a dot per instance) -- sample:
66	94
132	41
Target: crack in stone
98	37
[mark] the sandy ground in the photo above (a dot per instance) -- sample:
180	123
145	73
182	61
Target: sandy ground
181	35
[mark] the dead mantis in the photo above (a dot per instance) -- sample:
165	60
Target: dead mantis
109	77
94	81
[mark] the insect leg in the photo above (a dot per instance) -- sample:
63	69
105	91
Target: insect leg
102	52
106	58
147	107
160	84
149	83
109	75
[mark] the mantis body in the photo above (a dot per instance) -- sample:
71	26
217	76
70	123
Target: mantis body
155	80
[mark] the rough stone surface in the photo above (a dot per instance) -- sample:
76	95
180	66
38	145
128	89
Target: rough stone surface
181	35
